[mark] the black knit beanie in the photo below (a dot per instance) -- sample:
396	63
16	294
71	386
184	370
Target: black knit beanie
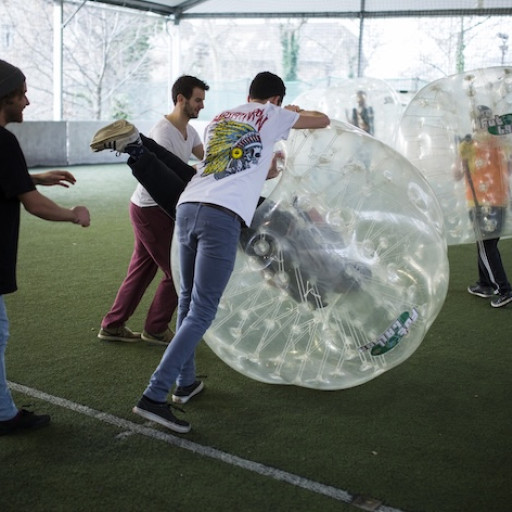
11	78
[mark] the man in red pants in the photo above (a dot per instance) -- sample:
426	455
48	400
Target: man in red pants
153	229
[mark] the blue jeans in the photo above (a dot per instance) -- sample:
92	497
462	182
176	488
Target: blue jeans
208	240
7	408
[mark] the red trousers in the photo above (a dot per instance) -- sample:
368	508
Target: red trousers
153	230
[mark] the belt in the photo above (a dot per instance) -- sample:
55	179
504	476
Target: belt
225	210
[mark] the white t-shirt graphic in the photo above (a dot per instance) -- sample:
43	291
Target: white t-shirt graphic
239	146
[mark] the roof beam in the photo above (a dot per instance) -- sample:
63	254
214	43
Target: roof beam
184	6
505	11
181	11
139	5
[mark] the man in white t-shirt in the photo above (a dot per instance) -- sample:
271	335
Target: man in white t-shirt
219	199
153	228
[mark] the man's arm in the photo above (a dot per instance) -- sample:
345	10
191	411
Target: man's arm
41	206
309	118
461	168
198	151
51	178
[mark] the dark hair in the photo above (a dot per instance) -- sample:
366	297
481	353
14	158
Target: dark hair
483	110
265	85
185	85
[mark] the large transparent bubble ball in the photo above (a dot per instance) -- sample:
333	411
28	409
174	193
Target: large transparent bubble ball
341	273
370	104
447	120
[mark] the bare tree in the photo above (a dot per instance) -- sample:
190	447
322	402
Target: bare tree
104	51
452	43
106	61
27	43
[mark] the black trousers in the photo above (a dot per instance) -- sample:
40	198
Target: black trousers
490	267
162	174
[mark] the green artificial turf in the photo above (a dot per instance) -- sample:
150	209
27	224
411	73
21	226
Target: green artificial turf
431	435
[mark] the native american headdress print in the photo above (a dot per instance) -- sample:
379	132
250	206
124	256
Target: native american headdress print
233	147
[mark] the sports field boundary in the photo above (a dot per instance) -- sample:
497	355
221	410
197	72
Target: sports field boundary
360	502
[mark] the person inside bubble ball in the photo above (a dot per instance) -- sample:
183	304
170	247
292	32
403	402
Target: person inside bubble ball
362	115
485	164
218	201
300	251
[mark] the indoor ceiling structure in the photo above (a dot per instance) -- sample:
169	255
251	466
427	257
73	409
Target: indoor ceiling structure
194	9
176	11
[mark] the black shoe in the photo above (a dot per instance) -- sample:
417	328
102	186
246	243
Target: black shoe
24	420
182	394
482	291
160	413
502	300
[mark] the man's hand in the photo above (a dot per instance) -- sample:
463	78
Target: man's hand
309	119
293	108
55	177
82	216
276	166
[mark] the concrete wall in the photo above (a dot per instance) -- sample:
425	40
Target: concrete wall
63	143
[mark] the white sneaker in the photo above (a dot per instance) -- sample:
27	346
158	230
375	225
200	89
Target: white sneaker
115	136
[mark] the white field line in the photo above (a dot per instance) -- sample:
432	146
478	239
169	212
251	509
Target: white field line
206	451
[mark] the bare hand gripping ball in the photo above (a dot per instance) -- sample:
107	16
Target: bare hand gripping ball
458	132
341	273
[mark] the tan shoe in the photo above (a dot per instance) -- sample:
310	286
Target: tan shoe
162	338
119	334
115	136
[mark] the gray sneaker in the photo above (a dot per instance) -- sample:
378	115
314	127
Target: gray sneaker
162	338
502	300
119	334
482	291
115	136
161	413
